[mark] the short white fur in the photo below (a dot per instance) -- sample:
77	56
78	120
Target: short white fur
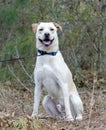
52	74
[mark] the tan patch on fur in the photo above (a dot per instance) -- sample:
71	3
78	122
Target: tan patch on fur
57	26
34	27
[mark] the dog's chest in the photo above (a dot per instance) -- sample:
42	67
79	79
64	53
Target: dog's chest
47	76
51	87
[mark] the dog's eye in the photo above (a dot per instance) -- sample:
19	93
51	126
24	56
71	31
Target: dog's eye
51	29
41	29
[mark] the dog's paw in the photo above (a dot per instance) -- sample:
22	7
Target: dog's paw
79	117
34	115
69	118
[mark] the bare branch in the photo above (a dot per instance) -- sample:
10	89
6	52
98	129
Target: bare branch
17	52
17	78
92	102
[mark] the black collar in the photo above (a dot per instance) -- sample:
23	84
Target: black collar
46	53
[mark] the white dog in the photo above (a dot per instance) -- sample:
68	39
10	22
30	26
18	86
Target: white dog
52	74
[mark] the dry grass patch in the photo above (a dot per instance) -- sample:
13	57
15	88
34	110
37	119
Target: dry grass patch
16	106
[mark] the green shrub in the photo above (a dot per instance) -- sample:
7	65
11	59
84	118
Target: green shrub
8	15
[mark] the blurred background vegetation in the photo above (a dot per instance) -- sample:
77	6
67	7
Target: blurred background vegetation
82	42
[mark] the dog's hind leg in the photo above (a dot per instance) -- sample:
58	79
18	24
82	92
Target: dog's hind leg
76	106
50	106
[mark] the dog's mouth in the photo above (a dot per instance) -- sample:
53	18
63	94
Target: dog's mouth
46	42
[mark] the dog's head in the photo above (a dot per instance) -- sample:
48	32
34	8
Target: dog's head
46	33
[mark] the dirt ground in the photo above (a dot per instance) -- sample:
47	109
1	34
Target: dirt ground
16	107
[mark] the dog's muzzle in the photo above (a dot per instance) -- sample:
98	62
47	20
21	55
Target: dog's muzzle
46	42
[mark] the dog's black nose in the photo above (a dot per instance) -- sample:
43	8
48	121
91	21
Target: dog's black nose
47	35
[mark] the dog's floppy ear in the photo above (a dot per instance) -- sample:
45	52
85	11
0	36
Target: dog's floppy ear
57	26
34	27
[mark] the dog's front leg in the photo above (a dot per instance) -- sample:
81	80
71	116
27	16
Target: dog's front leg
37	95
66	101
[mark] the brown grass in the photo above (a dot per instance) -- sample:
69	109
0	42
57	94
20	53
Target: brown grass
16	105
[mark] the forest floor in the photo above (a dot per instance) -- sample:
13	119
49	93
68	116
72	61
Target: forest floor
16	106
